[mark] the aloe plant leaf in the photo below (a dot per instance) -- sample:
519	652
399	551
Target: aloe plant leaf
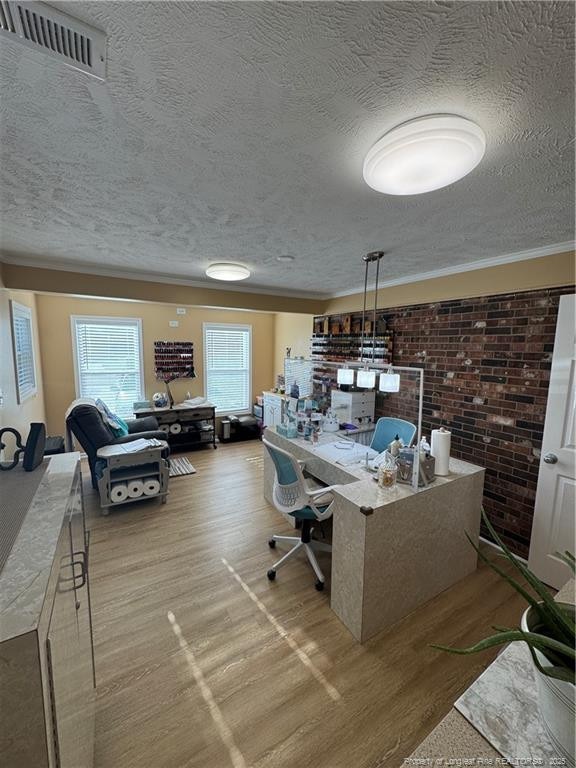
513	583
567	558
557	672
539	607
560	621
483	645
542	642
552	656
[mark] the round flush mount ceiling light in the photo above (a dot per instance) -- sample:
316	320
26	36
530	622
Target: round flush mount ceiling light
424	154
227	271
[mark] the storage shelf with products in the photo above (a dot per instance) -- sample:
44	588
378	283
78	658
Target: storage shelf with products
174	360
185	427
339	338
332	341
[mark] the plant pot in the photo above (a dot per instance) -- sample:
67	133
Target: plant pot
555	698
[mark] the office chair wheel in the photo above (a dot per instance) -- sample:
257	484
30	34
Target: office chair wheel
271	574
271	543
319	586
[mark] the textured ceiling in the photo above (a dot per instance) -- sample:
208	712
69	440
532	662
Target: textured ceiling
237	130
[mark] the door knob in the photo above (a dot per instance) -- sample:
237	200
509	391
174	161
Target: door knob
550	458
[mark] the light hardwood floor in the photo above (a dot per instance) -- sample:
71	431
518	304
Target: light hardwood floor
198	667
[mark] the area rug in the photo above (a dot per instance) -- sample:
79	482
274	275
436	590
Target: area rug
181	467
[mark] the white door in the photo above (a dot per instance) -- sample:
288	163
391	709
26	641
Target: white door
553	527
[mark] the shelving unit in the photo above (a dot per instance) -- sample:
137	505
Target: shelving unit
197	425
122	467
339	338
174	360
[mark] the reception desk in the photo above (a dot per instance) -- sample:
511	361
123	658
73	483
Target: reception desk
391	550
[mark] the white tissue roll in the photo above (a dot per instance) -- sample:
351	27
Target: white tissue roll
441	451
165	427
151	486
135	488
118	493
175	428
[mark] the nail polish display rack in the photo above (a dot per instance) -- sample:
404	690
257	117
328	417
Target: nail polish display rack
174	360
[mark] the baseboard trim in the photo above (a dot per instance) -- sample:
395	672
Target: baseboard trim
499	548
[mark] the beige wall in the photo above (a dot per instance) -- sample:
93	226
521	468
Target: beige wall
80	284
13	414
292	330
284	323
532	274
55	336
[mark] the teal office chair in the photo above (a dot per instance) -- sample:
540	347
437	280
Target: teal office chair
386	430
293	497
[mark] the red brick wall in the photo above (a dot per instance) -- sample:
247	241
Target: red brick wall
487	366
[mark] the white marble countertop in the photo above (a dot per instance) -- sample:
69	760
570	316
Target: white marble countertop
361	488
25	575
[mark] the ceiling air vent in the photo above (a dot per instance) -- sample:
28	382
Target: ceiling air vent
42	28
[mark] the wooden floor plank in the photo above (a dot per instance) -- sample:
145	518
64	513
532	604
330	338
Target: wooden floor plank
232	677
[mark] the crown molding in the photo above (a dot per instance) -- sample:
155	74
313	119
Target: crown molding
121	274
494	261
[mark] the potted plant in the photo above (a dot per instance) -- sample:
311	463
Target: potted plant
548	629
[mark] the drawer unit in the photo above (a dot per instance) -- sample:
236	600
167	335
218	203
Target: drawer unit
353	407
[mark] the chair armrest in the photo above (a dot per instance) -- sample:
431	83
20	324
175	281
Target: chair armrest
145	424
321	491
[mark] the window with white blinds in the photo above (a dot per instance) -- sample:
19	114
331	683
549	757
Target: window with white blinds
23	340
108	361
227	366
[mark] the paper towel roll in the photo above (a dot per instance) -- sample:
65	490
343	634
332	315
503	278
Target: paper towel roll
175	428
165	427
135	488
118	493
151	486
441	450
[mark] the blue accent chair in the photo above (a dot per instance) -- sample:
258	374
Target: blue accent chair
386	430
294	497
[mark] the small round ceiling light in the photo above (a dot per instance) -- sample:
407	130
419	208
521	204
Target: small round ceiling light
227	271
285	258
424	154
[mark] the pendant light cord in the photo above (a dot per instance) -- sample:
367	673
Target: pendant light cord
366	260
375	305
374	256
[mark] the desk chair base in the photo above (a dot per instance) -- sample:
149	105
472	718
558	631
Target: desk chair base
306	543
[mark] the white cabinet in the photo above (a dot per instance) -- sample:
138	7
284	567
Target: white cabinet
47	695
353	407
273	407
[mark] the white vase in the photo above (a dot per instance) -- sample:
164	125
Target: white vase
556	699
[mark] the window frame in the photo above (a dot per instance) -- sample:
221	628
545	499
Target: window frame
103	319
236	327
22	311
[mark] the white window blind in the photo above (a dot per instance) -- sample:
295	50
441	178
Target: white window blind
227	366
108	361
23	340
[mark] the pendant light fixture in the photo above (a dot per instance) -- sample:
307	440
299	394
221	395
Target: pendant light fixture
345	376
365	377
389	381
